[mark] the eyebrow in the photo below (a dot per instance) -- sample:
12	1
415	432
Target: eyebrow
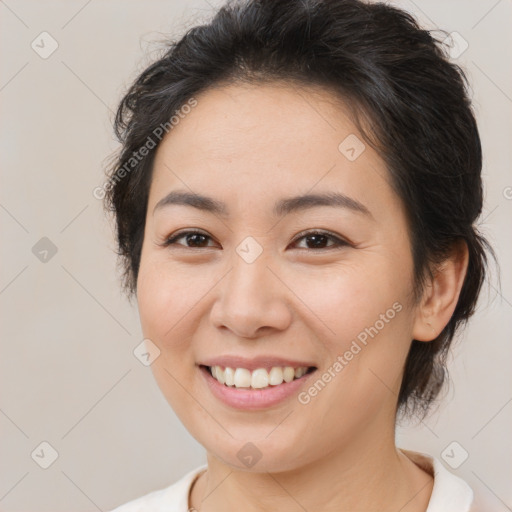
281	207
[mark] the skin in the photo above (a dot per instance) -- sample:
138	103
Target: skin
249	146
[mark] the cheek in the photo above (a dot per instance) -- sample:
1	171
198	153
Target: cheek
166	297
362	319
346	299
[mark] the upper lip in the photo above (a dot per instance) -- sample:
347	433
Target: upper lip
265	361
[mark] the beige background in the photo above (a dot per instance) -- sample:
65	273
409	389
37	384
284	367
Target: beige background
67	369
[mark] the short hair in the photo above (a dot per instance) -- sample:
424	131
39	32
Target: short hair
410	103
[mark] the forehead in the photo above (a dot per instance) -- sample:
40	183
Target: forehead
250	142
244	120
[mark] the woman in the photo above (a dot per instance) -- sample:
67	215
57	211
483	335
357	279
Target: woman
295	202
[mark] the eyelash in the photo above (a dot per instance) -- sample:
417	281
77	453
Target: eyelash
338	242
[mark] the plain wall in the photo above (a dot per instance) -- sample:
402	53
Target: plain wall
68	375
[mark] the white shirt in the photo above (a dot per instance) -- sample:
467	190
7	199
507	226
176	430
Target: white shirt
449	494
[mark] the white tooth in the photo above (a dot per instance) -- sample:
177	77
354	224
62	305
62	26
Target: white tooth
229	376
242	378
259	378
299	372
219	374
288	373
275	376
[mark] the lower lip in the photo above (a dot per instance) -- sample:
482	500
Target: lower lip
253	399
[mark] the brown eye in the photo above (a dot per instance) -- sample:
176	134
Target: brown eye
194	239
315	240
320	239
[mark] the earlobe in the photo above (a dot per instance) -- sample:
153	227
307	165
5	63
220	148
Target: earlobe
441	295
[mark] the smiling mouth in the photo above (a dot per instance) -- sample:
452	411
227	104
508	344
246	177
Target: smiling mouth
259	378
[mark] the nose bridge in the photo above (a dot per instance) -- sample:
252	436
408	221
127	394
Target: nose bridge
249	272
248	284
251	296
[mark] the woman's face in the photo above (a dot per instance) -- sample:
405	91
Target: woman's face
252	285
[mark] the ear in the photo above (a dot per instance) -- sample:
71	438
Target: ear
441	294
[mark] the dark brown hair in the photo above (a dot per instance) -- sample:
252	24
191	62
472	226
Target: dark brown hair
398	79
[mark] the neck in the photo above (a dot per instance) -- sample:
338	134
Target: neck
359	477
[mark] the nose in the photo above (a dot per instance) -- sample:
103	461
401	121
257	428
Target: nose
251	300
